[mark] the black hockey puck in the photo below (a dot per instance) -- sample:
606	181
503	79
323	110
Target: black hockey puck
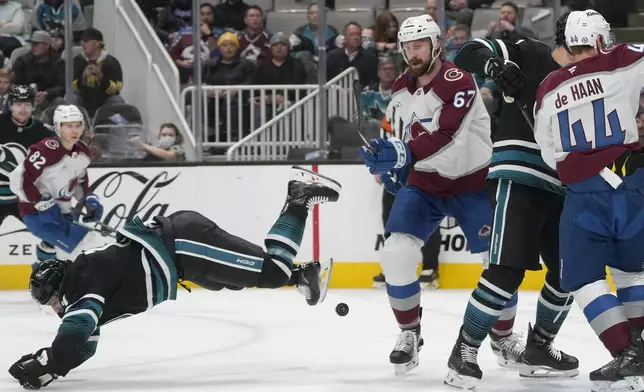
342	309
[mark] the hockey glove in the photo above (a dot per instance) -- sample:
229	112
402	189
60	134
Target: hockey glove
93	207
507	76
32	370
385	155
395	179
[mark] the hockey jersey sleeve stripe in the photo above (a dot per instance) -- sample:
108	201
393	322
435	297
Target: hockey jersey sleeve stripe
504	49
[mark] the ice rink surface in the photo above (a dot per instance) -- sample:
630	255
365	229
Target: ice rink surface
252	341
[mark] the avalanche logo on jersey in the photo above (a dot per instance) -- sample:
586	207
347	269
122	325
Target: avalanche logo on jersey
68	191
10	155
415	125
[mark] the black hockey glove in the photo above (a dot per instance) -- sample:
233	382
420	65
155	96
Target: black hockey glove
32	370
507	76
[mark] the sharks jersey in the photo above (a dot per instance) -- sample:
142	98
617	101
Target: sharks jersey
15	140
516	155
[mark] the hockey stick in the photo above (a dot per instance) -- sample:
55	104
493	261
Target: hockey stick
357	96
523	108
98	227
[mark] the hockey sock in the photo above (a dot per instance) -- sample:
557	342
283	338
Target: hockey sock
630	292
505	323
552	308
284	238
605	314
488	300
44	251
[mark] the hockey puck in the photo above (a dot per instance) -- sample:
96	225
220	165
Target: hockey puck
342	309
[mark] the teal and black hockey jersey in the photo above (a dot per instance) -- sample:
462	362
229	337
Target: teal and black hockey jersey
515	155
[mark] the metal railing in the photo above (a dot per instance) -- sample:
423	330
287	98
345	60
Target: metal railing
274	139
232	113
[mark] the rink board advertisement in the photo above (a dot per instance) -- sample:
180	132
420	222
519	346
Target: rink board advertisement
245	201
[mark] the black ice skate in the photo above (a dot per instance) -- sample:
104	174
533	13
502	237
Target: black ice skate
313	280
379	281
464	371
308	188
428	279
625	373
508	349
541	360
404	356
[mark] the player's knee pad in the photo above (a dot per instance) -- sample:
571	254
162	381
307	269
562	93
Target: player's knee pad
505	278
400	257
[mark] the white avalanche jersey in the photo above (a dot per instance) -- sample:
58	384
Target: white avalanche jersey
447	129
51	170
585	112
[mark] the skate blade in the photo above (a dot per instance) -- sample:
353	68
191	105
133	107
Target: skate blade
326	267
506	363
453	379
628	384
301	174
403	368
529	371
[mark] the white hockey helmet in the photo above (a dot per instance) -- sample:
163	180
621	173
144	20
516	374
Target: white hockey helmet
583	28
416	28
65	114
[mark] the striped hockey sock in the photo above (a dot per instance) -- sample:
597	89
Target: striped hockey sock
284	238
552	309
605	314
505	323
405	302
483	309
632	299
44	251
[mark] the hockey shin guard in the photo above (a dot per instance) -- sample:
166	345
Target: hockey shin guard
630	292
505	324
552	307
605	314
399	260
494	290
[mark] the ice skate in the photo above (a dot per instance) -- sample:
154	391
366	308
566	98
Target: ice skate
625	373
464	371
508	349
542	360
428	279
379	281
313	280
404	356
308	188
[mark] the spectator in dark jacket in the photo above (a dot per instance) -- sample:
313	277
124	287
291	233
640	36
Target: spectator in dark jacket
98	77
353	55
230	14
172	19
42	67
280	69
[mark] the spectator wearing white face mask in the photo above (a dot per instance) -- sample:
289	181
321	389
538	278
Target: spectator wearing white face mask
169	147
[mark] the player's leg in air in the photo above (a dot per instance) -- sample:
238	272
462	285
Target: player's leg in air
519	231
214	259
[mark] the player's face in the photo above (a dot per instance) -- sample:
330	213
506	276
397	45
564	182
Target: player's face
21	111
55	304
71	131
419	54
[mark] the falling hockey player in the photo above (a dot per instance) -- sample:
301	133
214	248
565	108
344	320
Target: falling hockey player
142	269
19	131
54	171
446	151
585	126
528	199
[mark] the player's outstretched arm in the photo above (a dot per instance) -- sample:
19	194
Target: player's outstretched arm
474	56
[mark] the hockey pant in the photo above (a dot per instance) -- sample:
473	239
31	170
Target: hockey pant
214	259
54	228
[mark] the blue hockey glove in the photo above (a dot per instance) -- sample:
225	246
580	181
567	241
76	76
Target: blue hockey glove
93	207
395	179
386	155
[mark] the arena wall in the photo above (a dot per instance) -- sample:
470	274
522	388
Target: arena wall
245	200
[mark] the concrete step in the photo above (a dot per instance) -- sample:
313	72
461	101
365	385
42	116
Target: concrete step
629	34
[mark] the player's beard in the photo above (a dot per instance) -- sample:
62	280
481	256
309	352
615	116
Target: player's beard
418	67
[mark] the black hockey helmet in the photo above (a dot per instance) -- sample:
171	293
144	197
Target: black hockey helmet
560	30
21	93
45	280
